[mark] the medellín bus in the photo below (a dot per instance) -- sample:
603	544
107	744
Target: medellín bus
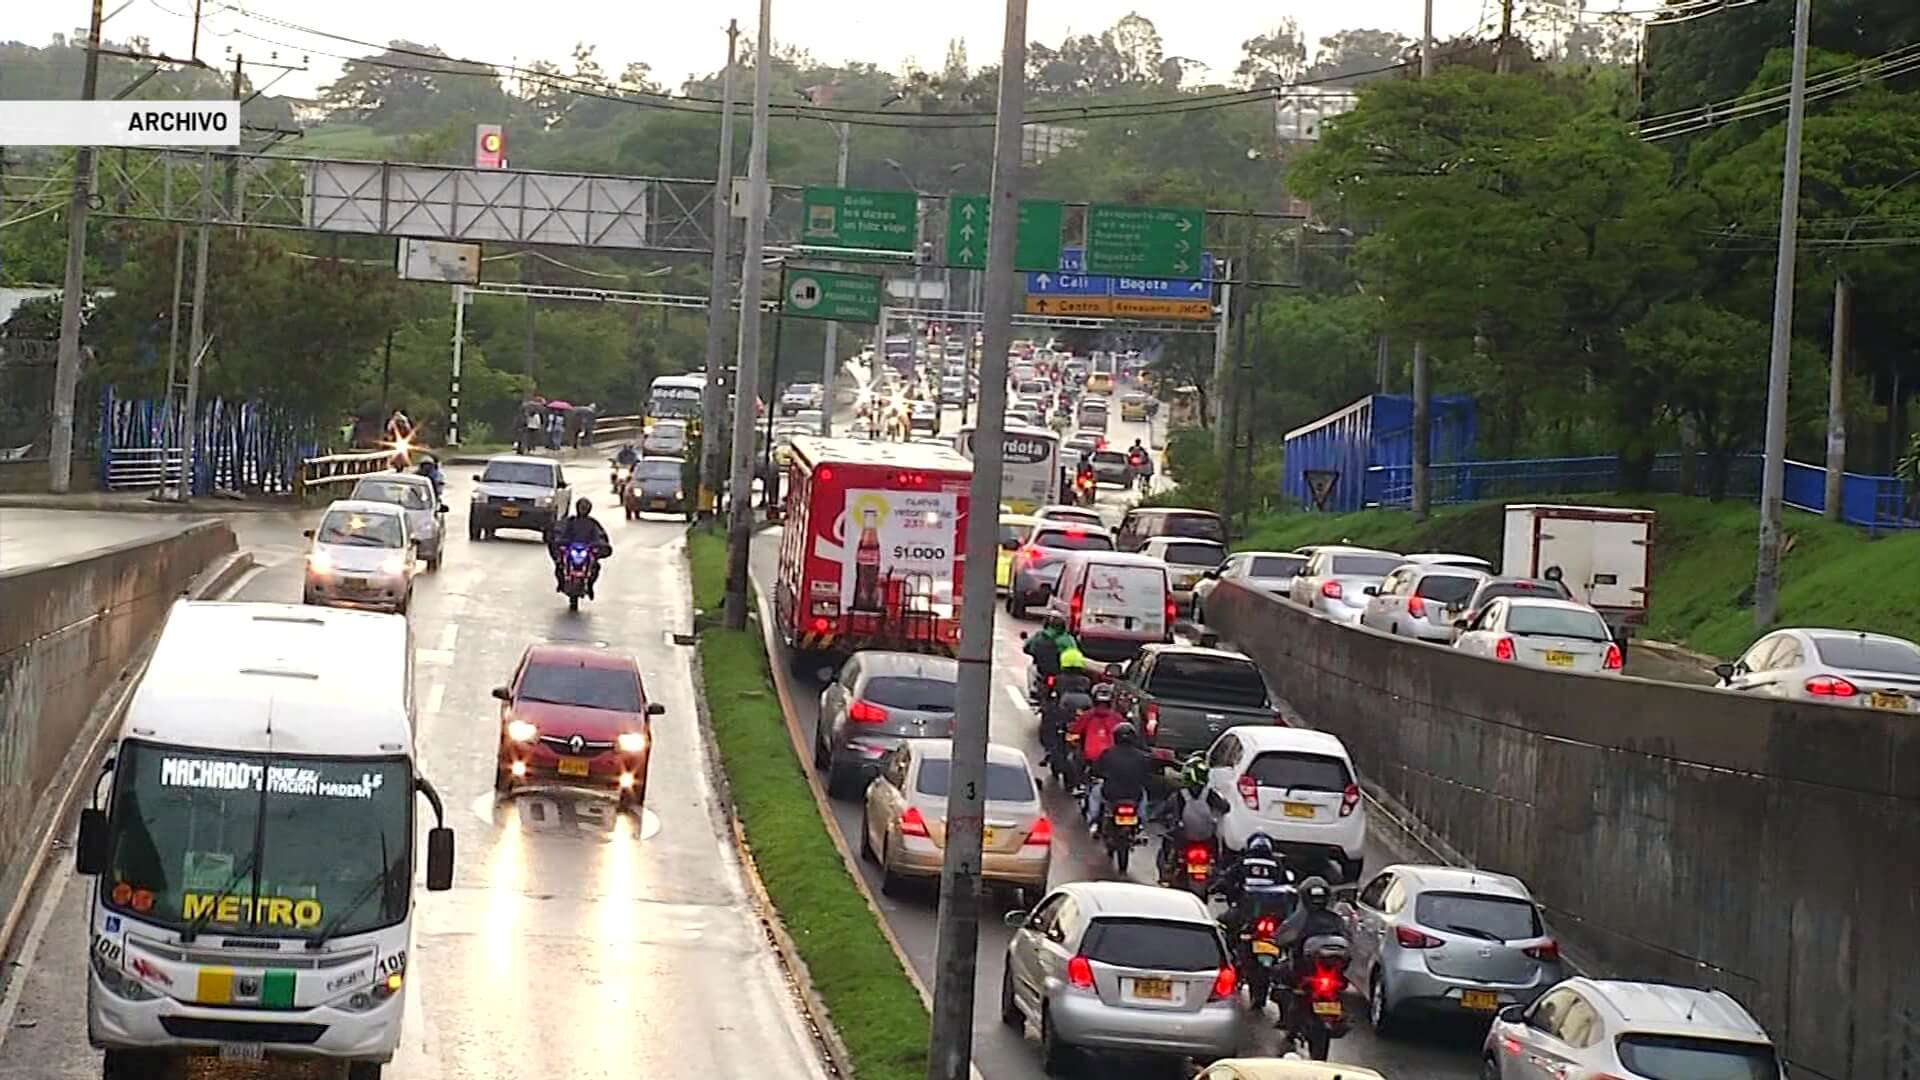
254	860
676	397
1029	466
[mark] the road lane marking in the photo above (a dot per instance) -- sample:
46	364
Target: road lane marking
433	657
30	951
448	634
435	694
1014	695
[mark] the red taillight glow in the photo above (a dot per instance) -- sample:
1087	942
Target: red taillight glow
825	473
1614	661
1076	608
1831	686
1330	590
912	824
1042	833
1325	984
866	712
1413	939
1151	717
1173	611
1349	799
1198	853
1417	607
1548	951
820	626
1503	649
1225	982
1075	534
1249	792
1263	926
1080	973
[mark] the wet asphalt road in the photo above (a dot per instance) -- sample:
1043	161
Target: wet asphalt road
578	942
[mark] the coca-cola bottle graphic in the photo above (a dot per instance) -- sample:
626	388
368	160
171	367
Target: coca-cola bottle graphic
866	564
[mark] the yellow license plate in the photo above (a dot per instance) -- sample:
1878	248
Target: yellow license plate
1123	818
1328	1008
1889	701
1298	809
1559	659
1154	989
1196	869
1265	948
509	511
1480	1000
573	766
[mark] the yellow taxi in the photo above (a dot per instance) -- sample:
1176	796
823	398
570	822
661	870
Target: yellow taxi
1014	531
1100	382
1284	1069
1133	407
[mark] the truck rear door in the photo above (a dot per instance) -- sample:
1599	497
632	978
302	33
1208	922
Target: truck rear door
1602	561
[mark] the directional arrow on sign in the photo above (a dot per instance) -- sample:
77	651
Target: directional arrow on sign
1044	280
1196	286
1184	225
1040	303
966	232
966	254
1180	265
1182	246
966	211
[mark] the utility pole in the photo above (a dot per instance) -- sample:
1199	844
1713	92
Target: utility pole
66	377
1502	61
1230	402
1766	577
196	350
1222	372
1836	398
173	352
1426	42
713	399
830	360
1417	501
746	382
950	1049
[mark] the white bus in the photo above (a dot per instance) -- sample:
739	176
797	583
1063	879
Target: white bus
254	862
1030	466
676	397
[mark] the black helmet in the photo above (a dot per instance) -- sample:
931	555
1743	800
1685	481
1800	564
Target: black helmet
1260	845
1316	893
1103	694
1125	734
583	507
1055	621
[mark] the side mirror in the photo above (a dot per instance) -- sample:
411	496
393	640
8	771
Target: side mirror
1216	803
654	708
1212	575
308	533
442	509
1460	624
1725	671
439	859
1371	590
90	851
1513	1014
1015	919
1009	545
503	693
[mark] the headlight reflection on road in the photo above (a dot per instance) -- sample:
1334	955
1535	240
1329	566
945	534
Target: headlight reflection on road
506	880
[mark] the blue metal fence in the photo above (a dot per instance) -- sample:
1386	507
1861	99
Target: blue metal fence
246	446
1341	449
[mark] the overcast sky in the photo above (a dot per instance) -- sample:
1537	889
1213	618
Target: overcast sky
679	39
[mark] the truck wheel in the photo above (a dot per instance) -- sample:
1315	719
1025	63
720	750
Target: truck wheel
364	1070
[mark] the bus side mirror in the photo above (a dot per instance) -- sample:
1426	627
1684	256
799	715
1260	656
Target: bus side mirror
439	859
90	852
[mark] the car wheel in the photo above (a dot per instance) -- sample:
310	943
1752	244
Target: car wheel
1490	1068
1010	1013
1380	1007
134	1065
1016	606
840	781
1057	1057
405	603
474	532
502	779
822	756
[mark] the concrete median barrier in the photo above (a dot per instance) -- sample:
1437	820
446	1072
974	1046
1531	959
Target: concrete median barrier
1675	833
68	630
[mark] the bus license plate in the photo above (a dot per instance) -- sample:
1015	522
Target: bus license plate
573	766
243	1052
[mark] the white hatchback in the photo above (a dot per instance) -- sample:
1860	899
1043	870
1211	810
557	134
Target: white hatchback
363	556
1296	785
1559	635
1598	1028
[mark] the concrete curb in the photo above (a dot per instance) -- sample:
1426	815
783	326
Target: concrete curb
1676	652
84	760
94	505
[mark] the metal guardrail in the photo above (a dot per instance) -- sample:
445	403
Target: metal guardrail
144	467
328	469
617	428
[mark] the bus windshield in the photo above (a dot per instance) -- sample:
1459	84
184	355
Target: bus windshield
260	844
672	400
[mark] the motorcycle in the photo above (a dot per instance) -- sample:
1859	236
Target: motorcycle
1085	488
576	572
1185	864
1120	831
1318	1013
618	478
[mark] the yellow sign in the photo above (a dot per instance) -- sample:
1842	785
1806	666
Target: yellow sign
1070	305
1127	307
233	910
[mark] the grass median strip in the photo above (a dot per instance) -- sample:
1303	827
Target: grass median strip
875	1008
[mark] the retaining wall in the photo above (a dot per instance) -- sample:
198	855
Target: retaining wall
68	629
1674	833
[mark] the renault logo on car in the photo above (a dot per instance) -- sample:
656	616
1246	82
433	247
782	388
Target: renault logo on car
576	744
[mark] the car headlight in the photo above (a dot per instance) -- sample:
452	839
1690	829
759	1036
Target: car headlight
521	730
319	562
479	495
632	742
394	564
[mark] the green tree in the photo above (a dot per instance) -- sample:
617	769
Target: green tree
1350	57
1273	58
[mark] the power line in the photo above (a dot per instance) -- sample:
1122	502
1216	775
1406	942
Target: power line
1887	65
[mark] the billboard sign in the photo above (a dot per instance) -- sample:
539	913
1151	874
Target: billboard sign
489	146
439	260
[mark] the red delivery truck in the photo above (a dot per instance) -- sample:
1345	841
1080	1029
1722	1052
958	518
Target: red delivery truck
873	548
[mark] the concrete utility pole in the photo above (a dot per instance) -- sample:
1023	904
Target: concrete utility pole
196	351
1417	502
1426	41
1766	577
1502	62
950	1050
1222	371
713	399
747	361
173	353
66	376
1836	399
830	359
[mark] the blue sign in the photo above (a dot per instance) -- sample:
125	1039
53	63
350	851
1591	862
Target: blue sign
1065	284
1162	288
1073	260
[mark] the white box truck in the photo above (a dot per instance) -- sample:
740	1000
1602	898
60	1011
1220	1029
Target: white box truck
1603	554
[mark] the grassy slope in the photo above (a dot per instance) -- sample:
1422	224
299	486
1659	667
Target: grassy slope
875	1008
1833	575
349	141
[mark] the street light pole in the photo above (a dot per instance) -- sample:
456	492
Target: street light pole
950	1049
1766	577
719	286
830	361
66	372
746	383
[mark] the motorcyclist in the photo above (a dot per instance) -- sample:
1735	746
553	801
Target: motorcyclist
1137	458
581	528
1120	774
430	469
1044	649
1251	880
626	455
1186	815
1083	477
1314	917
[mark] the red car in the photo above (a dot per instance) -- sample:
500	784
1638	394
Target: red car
579	716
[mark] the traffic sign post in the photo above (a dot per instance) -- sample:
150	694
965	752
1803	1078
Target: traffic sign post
1036	241
829	294
1145	241
883	222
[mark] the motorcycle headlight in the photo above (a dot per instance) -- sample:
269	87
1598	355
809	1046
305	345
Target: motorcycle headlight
632	742
521	730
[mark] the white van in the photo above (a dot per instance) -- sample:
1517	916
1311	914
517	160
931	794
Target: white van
1114	602
254	861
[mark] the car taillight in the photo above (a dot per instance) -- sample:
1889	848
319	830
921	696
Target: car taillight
820	626
1225	982
1080	973
1349	799
866	712
1413	939
1831	686
1417	607
1503	649
1547	951
1076	608
912	824
1042	833
1613	661
1151	716
1330	590
1173	610
1263	926
1249	792
1029	555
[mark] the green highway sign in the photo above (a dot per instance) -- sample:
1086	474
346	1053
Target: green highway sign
878	221
829	294
1145	241
1037	237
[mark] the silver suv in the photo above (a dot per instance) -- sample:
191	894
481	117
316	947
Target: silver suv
1588	1027
1114	965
